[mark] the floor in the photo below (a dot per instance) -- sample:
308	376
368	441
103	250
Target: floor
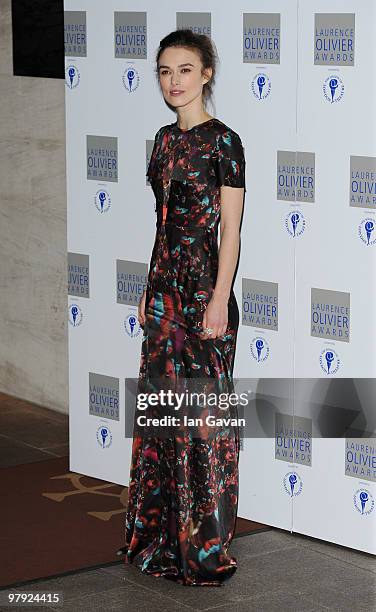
277	570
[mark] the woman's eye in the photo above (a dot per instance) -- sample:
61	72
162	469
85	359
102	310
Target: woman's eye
166	71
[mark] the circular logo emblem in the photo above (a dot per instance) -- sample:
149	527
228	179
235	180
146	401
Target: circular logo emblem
329	361
363	501
293	484
132	326
261	86
333	89
131	79
366	231
75	315
102	200
295	223
72	76
104	436
259	349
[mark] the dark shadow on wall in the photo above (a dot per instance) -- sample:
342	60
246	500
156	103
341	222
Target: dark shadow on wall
38	38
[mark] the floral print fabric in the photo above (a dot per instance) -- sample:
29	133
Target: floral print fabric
183	491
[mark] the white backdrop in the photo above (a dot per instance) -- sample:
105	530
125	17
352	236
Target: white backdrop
303	53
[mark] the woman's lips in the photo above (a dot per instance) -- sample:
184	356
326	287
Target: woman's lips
175	92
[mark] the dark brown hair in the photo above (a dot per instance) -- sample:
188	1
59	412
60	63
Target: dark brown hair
198	42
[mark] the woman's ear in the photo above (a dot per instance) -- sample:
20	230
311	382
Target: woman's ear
207	73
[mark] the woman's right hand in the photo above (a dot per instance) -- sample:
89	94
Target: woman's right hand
141	309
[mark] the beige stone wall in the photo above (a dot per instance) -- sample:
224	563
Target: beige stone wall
33	244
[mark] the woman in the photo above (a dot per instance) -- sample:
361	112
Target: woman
183	490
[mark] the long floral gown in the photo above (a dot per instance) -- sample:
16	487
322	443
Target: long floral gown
183	491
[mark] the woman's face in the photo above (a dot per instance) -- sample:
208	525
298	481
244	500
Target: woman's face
180	75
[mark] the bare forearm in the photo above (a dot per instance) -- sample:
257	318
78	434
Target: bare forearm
228	257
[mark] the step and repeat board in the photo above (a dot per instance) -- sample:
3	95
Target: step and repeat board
295	82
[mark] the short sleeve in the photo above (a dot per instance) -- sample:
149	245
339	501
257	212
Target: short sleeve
152	168
230	160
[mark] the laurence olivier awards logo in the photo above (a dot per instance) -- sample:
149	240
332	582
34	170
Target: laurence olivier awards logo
296	176
292	484
330	314
78	275
363	501
104	436
261	38
362	193
260	349
131	79
333	89
293	439
295	223
366	231
75	315
334	39
360	458
131	280
103	396
102	200
102	158
75	33
261	86
130	35
329	361
260	304
72	76
132	326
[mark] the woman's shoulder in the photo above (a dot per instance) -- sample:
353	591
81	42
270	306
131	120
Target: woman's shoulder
223	127
159	133
227	140
226	132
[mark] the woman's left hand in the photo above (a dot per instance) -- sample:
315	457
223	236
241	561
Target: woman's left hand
215	317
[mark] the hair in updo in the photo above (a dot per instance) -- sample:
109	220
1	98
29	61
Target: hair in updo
202	44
